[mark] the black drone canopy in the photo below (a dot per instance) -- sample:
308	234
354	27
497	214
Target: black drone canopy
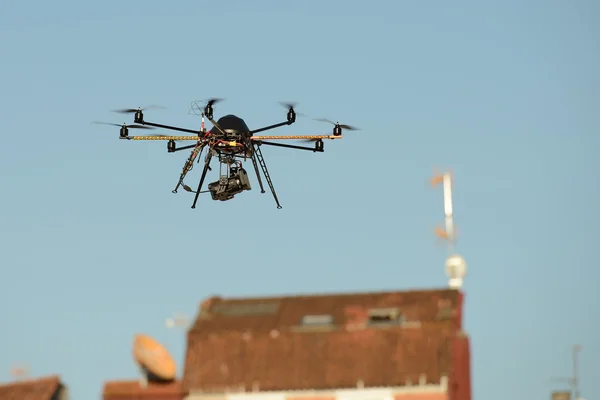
231	122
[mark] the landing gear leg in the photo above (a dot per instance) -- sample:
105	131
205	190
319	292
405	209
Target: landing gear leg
206	167
263	165
262	189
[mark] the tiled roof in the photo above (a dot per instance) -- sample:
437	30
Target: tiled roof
32	389
264	314
131	389
262	344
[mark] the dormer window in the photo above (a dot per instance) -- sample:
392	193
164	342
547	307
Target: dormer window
378	316
312	320
315	323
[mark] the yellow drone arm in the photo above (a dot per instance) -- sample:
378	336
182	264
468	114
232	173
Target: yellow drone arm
176	138
305	137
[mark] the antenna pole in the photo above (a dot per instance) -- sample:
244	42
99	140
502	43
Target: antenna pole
573	381
448	234
447	180
576	350
456	267
178	320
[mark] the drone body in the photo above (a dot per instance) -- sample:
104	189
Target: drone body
232	142
231	124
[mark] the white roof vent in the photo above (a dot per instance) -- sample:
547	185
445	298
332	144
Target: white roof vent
317	319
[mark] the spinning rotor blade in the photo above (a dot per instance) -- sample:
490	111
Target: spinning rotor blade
343	126
123	125
197	106
291	105
133	110
213	101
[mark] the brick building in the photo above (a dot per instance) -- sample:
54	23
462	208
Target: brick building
45	388
387	345
134	390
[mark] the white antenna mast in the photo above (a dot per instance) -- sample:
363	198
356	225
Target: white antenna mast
178	320
572	381
456	267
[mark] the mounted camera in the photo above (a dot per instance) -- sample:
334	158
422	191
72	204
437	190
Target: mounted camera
228	186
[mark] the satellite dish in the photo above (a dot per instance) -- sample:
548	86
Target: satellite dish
153	359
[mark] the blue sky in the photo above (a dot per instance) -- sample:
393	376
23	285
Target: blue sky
96	248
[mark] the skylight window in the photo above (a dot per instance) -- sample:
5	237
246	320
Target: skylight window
384	316
317	320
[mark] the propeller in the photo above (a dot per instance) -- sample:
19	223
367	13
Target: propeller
215	100
291	105
197	106
132	127
123	125
133	110
343	126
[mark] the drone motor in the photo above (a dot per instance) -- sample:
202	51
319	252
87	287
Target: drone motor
208	110
319	145
291	115
138	118
171	146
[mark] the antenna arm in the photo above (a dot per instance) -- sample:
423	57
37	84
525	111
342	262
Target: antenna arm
216	125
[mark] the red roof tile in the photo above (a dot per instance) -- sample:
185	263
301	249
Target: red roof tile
131	389
260	343
33	389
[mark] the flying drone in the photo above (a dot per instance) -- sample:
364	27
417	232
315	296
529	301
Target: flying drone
232	142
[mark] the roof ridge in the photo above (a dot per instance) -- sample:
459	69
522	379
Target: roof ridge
137	380
330	294
42	379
